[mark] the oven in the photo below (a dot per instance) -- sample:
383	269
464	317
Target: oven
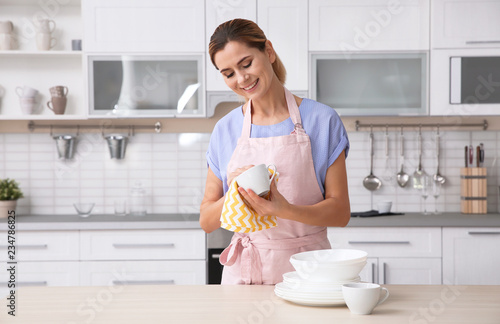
217	241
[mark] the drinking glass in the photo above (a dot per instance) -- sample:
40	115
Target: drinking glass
436	191
424	191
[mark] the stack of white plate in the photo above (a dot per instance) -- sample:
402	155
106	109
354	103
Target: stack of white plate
304	292
320	275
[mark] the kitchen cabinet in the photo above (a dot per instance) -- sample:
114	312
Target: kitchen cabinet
470	256
396	255
366	25
130	26
41	70
465	24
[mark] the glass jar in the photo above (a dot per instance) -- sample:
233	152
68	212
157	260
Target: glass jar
138	200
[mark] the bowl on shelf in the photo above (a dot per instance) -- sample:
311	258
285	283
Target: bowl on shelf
83	209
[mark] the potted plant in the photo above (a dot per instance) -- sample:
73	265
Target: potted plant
9	194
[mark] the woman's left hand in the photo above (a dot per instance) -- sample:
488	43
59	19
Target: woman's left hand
264	207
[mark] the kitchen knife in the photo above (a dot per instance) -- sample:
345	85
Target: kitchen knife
466	156
481	158
478	156
471	156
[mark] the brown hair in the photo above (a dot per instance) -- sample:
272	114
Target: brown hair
246	32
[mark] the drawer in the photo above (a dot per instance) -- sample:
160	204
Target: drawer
143	245
115	273
42	246
389	241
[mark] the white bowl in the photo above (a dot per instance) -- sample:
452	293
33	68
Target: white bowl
332	256
83	209
292	279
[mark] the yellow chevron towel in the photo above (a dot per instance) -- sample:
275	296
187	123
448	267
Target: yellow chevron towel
238	217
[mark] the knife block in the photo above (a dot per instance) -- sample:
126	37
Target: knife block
474	191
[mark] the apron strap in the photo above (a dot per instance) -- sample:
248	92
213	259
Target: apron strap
293	110
247	249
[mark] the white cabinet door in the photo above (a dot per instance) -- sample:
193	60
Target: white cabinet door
115	273
351	26
285	24
217	12
470	256
409	271
465	23
144	26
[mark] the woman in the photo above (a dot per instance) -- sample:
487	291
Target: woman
311	192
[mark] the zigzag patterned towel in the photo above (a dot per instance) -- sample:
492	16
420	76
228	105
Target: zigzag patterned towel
238	217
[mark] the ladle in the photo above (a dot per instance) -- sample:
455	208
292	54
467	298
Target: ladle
419	173
371	182
402	177
438	177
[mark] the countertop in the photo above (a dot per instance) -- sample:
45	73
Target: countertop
190	221
245	304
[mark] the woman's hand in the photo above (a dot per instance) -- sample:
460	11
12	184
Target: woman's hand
236	173
272	207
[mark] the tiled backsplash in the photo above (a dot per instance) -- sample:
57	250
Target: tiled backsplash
172	169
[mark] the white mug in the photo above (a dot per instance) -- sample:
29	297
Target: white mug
6	42
6	27
46	25
45	41
361	298
257	179
28	105
26	92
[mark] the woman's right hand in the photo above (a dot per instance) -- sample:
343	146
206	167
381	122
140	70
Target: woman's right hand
236	173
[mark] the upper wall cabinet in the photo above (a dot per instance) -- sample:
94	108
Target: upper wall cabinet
365	25
143	26
465	23
285	24
217	12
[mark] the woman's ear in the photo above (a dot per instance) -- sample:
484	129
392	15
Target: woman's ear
270	51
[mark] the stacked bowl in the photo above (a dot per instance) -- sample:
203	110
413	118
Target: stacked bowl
319	276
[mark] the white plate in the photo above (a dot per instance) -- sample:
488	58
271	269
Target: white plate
312	302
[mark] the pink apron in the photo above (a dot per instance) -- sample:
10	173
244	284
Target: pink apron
262	257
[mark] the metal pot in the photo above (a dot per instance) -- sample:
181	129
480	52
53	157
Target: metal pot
117	145
65	146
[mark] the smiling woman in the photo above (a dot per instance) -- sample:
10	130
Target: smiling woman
304	139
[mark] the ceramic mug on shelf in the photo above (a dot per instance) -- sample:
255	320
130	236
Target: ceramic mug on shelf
28	105
26	92
57	105
6	27
59	91
361	298
257	179
46	25
6	41
45	41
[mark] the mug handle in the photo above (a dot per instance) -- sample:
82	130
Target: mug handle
48	105
272	167
385	297
66	91
55	42
17	91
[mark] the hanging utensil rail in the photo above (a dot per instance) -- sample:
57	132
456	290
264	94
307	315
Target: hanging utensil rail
483	125
156	127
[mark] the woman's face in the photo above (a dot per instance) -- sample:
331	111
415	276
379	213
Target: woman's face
246	70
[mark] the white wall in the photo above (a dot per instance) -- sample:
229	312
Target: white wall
172	168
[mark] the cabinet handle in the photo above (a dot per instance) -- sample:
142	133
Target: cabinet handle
373	272
483	42
132	246
483	233
215	256
27	246
384	269
378	242
143	282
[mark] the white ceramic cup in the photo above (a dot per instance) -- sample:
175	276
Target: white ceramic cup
28	105
26	92
45	41
46	25
6	42
257	179
384	207
361	298
6	27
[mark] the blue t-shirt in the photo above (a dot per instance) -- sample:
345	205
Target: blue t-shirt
323	125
